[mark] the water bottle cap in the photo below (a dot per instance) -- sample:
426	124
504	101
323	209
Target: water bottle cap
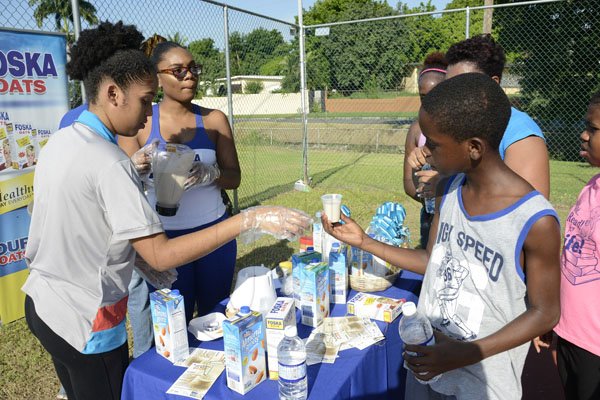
290	331
318	215
335	245
245	310
175	292
409	308
310	248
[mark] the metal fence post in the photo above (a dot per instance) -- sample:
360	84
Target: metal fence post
303	97
229	94
77	30
468	23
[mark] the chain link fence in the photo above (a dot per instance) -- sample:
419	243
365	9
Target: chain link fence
360	79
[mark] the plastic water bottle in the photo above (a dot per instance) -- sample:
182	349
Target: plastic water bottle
318	233
291	358
415	328
429	201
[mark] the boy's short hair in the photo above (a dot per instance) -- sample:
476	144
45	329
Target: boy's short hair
595	100
481	50
469	105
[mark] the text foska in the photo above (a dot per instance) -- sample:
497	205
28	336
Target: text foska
25	72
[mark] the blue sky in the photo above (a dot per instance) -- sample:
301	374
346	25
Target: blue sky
286	10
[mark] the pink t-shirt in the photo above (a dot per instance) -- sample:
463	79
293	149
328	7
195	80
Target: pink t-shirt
580	265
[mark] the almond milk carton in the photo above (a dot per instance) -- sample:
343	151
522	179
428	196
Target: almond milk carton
299	261
338	273
244	342
314	293
282	314
170	327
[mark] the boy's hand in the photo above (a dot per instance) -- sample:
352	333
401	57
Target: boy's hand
426	183
543	341
445	355
349	232
417	158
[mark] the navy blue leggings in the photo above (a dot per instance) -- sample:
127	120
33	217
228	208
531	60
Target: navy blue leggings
206	281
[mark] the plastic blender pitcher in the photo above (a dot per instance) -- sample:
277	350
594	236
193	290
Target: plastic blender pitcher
171	164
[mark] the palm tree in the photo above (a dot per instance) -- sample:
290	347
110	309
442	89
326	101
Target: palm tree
63	13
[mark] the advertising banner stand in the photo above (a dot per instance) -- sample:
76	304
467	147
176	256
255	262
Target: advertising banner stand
33	99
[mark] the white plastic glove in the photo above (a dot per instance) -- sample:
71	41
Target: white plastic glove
142	159
279	222
202	175
159	280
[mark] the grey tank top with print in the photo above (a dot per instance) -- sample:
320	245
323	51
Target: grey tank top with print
474	285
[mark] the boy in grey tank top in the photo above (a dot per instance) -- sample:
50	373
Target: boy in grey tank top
492	263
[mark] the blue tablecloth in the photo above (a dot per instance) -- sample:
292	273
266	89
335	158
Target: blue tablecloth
373	373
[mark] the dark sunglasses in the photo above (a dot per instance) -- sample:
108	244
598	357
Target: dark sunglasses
181	72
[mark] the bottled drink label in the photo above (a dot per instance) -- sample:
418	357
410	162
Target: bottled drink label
429	201
292	373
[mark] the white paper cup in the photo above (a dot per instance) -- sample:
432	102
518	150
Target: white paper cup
331	205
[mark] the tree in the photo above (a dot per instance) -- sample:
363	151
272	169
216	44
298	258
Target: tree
62	12
558	47
209	57
354	54
178	38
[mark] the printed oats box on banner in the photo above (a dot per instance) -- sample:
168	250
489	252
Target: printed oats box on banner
41	137
22	145
7	155
168	322
282	314
314	293
375	307
244	342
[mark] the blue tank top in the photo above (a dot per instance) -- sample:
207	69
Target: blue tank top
200	205
200	139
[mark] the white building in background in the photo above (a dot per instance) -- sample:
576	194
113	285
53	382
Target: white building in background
270	83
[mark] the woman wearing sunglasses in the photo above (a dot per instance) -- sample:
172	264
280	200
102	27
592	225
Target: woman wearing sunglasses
176	119
90	217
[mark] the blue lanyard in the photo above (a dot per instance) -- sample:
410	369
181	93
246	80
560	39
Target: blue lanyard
91	120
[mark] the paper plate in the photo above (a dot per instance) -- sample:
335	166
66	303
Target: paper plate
208	327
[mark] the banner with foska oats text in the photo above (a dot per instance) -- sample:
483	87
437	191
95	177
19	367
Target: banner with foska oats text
33	99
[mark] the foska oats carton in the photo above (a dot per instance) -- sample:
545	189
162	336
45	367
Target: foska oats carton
170	327
375	307
7	156
314	293
282	314
24	152
244	342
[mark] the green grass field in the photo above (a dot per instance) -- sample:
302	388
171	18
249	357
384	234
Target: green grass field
365	180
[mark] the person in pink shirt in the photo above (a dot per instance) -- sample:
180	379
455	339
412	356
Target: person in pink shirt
579	327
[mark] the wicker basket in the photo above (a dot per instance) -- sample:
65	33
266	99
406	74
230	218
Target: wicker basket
373	283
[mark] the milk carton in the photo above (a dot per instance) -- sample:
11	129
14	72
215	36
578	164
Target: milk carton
244	339
282	314
375	307
314	293
299	260
338	273
170	328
